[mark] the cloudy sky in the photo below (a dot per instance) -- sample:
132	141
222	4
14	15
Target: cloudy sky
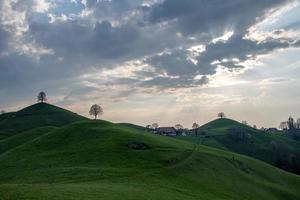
144	61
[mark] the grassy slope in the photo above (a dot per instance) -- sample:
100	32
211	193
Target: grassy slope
136	127
91	160
22	138
37	115
266	147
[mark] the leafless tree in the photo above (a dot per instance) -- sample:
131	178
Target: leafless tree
221	115
254	126
2	112
96	110
42	97
155	125
195	126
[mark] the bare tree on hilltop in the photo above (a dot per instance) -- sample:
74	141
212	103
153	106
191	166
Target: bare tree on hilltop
42	97
221	115
96	110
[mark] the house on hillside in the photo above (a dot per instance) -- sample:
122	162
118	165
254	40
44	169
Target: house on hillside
271	130
168	131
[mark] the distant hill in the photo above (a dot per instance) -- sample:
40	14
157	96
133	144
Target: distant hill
102	160
34	116
276	149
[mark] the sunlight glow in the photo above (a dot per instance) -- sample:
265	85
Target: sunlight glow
224	37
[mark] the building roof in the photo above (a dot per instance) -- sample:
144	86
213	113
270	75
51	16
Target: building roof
166	129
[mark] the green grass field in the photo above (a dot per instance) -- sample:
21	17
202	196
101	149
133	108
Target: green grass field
276	149
95	160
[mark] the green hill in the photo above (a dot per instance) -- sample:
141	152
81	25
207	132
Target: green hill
21	138
134	126
37	115
227	134
53	153
102	160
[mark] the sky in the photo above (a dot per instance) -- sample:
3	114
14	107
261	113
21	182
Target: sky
146	61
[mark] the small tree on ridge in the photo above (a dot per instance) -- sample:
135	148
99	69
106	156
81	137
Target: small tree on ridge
221	115
96	110
42	97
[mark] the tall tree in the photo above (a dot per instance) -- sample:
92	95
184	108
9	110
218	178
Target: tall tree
42	97
221	115
96	110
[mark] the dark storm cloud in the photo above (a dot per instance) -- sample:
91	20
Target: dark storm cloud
118	31
74	39
212	15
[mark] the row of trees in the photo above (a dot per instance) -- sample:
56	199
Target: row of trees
290	124
176	126
292	127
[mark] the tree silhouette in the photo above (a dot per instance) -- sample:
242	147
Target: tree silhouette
195	126
96	110
42	97
221	115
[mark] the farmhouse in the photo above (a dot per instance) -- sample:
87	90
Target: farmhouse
169	131
271	130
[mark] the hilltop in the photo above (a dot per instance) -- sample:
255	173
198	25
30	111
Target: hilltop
34	116
276	149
